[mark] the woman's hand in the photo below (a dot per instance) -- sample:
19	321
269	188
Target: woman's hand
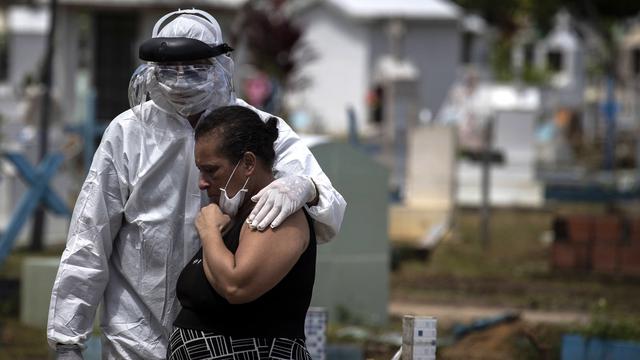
211	218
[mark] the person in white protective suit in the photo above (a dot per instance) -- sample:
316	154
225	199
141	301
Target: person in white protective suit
132	229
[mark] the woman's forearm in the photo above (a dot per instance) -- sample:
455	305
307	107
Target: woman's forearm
218	262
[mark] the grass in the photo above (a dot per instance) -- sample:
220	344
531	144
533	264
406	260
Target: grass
18	341
514	269
514	250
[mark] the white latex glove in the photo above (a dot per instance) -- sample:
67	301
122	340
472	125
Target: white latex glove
281	198
68	352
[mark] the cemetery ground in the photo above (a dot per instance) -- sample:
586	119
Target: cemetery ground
461	281
513	274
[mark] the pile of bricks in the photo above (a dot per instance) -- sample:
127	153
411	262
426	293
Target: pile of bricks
607	244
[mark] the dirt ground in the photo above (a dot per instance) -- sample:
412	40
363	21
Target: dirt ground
536	334
506	341
451	314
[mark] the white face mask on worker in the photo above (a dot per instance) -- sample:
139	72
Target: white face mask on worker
188	99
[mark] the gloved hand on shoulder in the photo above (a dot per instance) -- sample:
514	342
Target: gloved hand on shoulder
280	199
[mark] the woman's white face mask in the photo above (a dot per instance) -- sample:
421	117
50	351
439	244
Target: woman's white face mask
228	205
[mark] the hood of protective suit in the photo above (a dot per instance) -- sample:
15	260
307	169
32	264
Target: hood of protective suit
183	97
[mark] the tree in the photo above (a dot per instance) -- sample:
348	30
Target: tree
507	15
601	15
273	43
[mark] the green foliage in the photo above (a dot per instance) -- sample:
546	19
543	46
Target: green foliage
345	316
507	15
510	15
541	12
503	72
502	14
534	76
606	324
501	60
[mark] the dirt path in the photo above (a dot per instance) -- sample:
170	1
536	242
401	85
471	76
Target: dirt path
465	314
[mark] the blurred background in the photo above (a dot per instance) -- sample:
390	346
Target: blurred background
488	151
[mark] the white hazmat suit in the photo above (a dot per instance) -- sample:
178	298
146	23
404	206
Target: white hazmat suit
132	229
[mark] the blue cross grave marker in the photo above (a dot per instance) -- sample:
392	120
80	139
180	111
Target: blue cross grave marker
39	192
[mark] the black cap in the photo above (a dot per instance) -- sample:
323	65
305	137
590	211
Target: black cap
164	49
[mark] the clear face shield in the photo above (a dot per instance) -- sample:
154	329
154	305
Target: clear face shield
184	89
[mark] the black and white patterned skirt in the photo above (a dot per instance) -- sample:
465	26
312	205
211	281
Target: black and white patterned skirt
186	344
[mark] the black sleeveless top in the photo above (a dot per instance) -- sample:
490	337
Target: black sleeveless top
280	312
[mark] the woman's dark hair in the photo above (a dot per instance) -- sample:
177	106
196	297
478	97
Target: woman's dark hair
240	130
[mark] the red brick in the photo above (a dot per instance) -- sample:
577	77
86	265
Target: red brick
608	230
583	256
604	258
562	256
568	256
634	233
580	228
630	260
